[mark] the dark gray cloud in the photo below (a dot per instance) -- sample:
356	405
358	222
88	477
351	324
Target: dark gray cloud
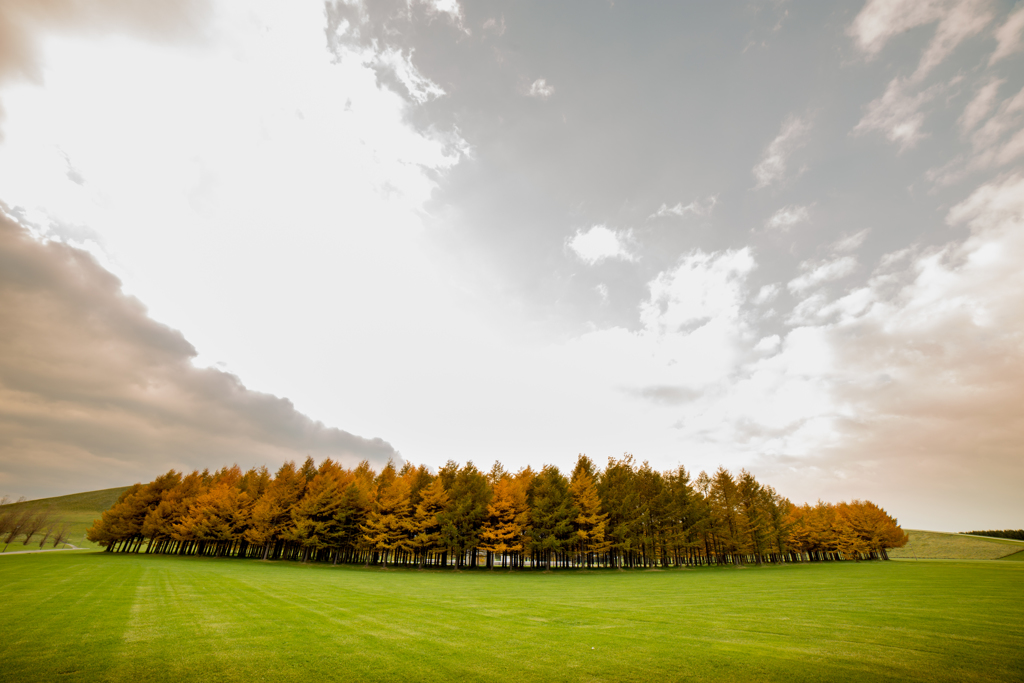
94	393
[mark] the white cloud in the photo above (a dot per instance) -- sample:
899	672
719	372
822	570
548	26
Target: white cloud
852	242
767	293
420	88
981	104
821	273
775	160
449	7
881	20
1009	36
996	141
897	113
600	243
788	216
695	208
768	344
540	89
960	21
988	139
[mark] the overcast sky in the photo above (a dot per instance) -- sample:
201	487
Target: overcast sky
785	236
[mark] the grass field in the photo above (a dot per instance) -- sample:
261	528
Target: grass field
937	545
101	617
78	510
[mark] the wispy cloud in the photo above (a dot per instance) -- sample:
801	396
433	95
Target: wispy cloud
1010	36
851	242
420	88
774	162
816	274
697	207
981	104
541	89
898	113
881	20
600	243
997	137
788	216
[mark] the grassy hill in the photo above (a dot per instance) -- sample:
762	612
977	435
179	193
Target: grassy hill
937	545
78	510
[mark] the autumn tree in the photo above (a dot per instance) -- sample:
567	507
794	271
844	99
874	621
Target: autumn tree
507	517
387	527
591	523
426	521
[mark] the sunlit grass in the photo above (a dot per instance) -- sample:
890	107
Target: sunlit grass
108	617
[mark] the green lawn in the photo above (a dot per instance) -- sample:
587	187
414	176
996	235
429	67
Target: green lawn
78	510
938	545
100	617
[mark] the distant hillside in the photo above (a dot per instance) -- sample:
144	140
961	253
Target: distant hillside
78	510
935	545
90	501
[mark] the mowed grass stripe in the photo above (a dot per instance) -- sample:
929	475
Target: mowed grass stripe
138	618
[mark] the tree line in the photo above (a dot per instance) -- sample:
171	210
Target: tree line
27	521
626	515
1017	534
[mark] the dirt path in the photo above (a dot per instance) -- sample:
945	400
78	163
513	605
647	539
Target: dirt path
48	550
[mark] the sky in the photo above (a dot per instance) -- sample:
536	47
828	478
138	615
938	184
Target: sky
782	236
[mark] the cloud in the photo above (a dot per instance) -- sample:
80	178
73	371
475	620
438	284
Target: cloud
989	140
775	160
599	243
821	273
24	24
695	208
852	242
881	20
981	104
540	89
788	216
768	344
449	7
94	393
1009	36
997	137
704	286
420	88
930	375
495	26
766	294
897	113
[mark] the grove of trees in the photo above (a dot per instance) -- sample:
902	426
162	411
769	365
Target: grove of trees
627	515
18	520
